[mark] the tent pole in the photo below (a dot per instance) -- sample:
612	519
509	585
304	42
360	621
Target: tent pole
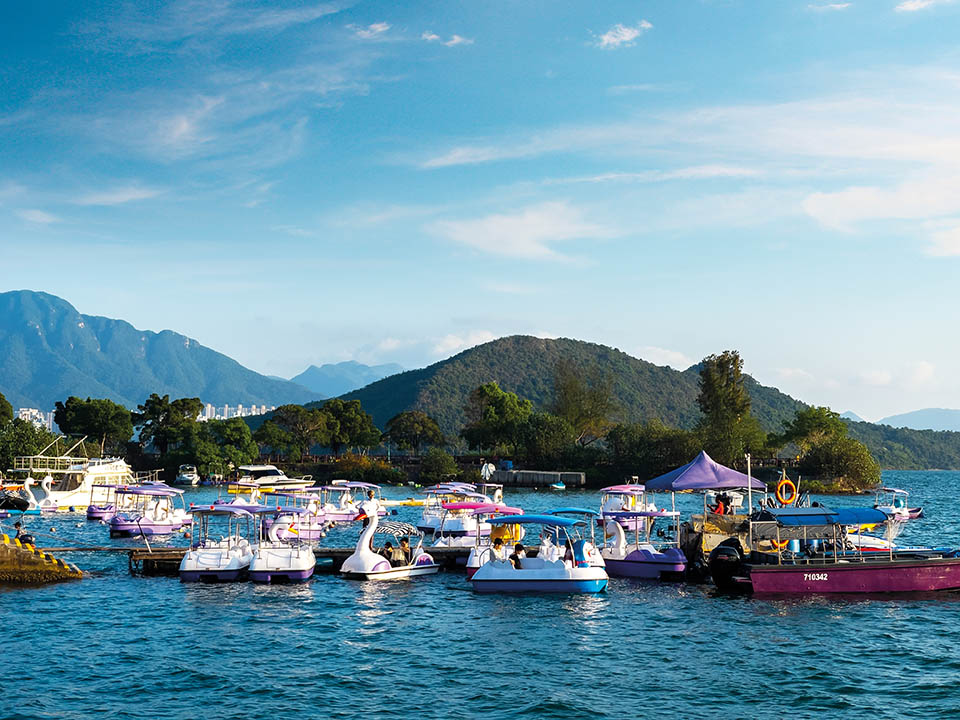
749	504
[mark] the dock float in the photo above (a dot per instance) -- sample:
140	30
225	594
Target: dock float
22	564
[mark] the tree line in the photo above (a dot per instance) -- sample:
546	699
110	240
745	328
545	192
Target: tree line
579	429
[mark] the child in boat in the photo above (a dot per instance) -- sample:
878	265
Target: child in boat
498	553
516	558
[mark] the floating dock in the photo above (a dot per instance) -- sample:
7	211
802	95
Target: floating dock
27	565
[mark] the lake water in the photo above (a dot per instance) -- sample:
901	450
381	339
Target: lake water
431	648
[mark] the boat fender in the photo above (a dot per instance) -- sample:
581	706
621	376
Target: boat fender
786	491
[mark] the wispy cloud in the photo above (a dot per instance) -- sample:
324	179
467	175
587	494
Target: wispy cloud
117	196
828	7
637	87
945	240
528	234
168	25
373	31
450	344
914	5
294	231
662	356
40	217
622	35
696	172
452	42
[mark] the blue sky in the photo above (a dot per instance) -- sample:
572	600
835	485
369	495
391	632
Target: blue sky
295	183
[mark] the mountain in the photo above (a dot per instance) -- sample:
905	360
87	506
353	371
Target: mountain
331	380
850	415
525	365
927	419
49	351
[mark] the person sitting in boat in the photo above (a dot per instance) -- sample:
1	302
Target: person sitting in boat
404	551
719	508
516	558
568	553
497	550
387	550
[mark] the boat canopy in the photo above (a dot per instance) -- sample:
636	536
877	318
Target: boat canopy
627	514
488	508
159	490
551	520
482	506
624	490
358	484
811	522
703	473
396	528
220	510
892	490
572	511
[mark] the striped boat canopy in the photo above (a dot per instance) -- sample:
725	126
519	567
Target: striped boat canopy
397	529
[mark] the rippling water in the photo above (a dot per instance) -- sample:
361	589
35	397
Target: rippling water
152	647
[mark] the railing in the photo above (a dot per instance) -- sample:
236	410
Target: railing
44	463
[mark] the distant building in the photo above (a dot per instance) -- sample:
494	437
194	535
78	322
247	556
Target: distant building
37	417
225	412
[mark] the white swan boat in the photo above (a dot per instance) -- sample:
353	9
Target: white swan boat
277	559
366	563
571	573
307	520
224	560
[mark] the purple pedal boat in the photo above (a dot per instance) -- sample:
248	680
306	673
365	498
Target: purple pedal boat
151	511
643	559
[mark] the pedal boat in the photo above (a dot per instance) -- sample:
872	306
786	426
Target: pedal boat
643	559
310	524
224	560
540	574
367	564
152	511
894	502
281	555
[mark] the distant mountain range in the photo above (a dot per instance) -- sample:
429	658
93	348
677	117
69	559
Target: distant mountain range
333	379
926	419
49	351
850	415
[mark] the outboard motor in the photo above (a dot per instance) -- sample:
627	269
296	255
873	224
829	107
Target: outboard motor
726	563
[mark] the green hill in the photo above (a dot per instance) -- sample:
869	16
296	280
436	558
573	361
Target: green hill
525	365
49	351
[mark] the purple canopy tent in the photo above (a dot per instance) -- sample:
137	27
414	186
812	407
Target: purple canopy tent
703	473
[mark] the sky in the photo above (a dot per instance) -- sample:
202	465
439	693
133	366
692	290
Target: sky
293	183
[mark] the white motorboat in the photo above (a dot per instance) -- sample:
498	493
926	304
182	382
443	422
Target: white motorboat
277	559
895	503
270	477
395	563
187	475
224	560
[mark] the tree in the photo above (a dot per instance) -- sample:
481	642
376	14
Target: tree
650	449
20	437
727	428
97	418
437	465
412	429
6	411
271	436
545	438
233	440
305	427
812	426
162	422
584	398
844	460
351	427
494	417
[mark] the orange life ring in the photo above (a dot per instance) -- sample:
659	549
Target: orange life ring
784	498
779	545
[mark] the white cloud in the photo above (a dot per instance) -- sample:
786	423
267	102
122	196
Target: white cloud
294	231
457	40
662	356
945	242
117	196
696	172
638	87
430	36
877	378
914	5
829	7
527	234
622	35
40	217
795	374
373	31
921	374
450	344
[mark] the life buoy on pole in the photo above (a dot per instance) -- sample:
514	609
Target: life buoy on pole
786	491
779	545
